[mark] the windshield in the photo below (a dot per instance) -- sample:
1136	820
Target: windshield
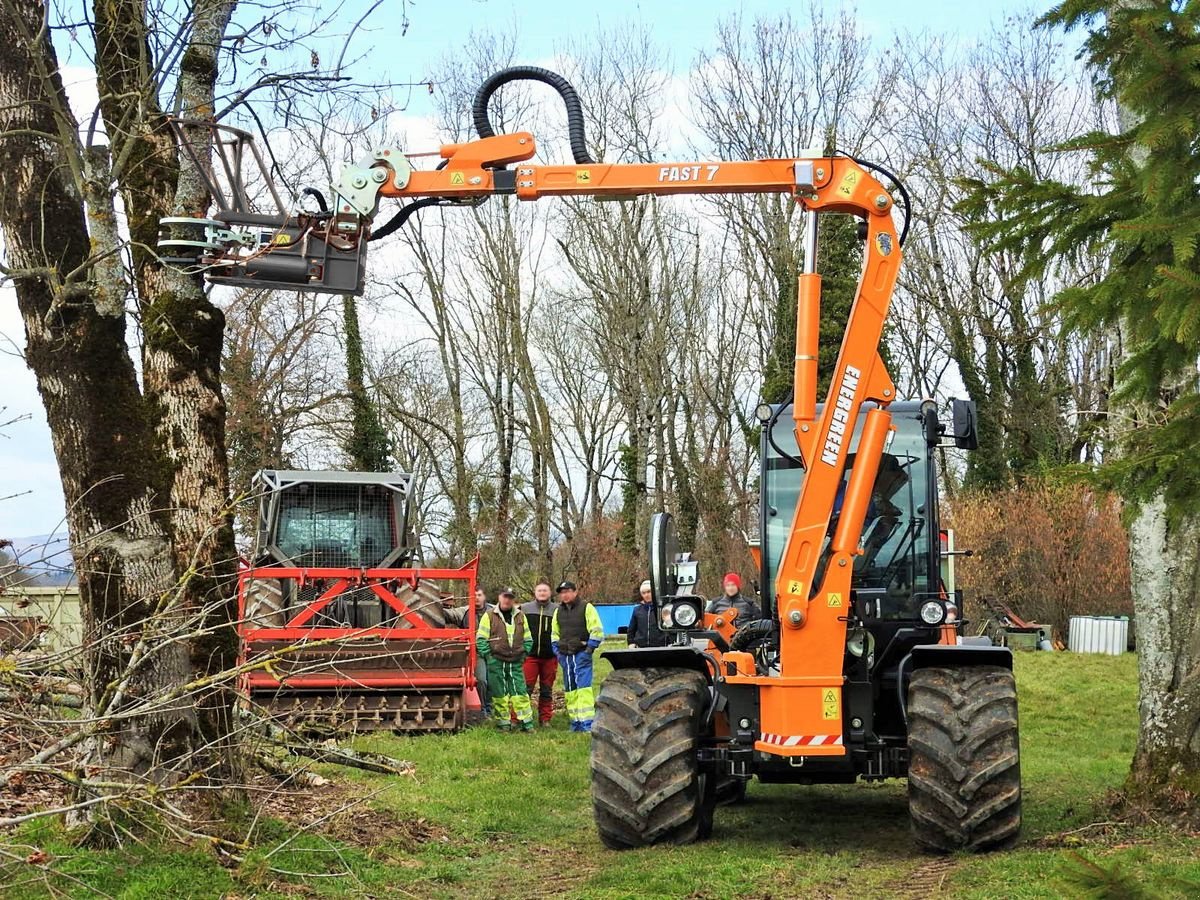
896	533
334	525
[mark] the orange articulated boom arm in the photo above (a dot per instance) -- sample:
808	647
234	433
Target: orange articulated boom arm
828	184
469	172
803	703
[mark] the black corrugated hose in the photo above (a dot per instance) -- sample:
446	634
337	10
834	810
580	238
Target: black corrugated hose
751	632
575	126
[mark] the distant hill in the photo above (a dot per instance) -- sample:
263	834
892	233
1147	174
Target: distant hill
42	560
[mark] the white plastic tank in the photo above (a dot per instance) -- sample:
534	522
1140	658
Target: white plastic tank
1098	634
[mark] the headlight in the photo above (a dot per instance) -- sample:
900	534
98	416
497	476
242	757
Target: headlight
933	612
857	642
685	615
762	412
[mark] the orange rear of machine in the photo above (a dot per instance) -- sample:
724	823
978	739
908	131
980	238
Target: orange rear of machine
857	665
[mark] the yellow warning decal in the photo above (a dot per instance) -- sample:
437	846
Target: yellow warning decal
583	176
831	706
281	238
795	587
849	180
457	178
835	600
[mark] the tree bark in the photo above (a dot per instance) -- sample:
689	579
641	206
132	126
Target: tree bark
1165	559
184	338
101	427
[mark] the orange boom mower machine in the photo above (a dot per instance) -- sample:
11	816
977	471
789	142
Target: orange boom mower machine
859	668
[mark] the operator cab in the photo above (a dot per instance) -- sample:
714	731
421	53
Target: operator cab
901	559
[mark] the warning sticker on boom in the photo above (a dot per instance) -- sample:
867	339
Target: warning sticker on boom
457	178
583	176
831	706
835	600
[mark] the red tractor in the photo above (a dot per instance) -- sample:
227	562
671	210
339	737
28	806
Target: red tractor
351	632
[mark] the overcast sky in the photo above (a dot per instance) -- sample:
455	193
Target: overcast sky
436	29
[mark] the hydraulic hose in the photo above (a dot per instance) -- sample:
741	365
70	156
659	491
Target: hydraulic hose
751	632
770	426
396	222
575	125
316	195
406	212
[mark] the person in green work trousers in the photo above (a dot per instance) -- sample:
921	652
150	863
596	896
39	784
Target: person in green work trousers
575	635
502	642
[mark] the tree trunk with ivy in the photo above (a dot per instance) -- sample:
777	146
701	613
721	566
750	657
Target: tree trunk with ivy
367	447
143	468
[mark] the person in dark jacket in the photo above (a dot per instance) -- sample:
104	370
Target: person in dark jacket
732	598
643	624
541	664
575	636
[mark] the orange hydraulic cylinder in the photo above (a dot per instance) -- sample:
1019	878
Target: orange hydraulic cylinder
862	481
808	339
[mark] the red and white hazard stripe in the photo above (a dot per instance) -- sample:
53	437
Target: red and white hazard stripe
802	740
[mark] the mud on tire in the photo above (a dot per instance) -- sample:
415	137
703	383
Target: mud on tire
964	773
645	785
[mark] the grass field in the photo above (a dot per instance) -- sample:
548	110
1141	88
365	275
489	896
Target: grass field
493	815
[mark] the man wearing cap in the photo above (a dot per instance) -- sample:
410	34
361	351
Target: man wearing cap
502	640
575	635
643	624
748	610
541	663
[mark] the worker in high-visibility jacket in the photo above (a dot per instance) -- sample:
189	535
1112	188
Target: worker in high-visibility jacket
575	635
502	640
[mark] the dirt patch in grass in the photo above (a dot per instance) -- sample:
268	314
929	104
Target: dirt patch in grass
344	813
1173	807
369	828
929	878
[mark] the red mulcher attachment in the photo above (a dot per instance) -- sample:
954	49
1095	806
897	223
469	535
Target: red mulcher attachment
351	635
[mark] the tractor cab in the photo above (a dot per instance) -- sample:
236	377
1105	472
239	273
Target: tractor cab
899	599
900	562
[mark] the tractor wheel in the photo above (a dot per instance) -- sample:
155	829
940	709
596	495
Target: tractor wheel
646	786
964	769
425	601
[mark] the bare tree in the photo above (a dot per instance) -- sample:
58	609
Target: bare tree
1008	100
141	450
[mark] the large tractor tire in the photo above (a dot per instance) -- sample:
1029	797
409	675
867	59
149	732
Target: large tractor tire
425	601
646	785
964	770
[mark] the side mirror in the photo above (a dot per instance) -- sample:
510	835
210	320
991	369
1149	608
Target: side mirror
931	427
965	424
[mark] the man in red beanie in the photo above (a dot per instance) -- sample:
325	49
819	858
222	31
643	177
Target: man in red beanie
748	610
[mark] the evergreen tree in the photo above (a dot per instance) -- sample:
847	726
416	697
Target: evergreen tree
1142	209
